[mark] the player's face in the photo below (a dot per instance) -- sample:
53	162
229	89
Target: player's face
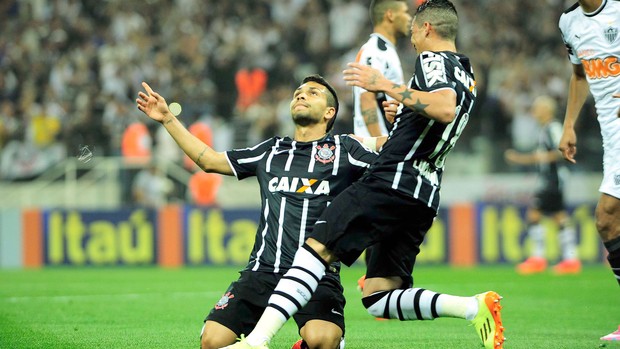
417	34
402	19
309	104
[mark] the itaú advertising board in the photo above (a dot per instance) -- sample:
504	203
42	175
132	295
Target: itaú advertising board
462	234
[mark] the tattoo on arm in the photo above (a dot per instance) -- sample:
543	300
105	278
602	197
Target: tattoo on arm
168	121
419	106
370	116
199	157
406	94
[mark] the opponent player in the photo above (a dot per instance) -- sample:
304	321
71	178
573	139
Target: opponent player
396	201
590	30
391	20
549	197
298	178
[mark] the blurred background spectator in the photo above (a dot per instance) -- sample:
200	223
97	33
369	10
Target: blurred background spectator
70	71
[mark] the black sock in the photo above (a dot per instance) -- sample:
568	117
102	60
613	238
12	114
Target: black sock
613	246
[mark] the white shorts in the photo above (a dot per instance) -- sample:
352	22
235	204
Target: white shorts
611	174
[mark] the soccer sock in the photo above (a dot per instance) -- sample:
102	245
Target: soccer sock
419	304
613	247
568	242
292	292
536	233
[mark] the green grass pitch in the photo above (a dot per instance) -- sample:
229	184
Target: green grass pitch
158	308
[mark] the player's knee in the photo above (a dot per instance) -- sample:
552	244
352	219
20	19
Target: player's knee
212	342
207	342
318	339
604	226
375	303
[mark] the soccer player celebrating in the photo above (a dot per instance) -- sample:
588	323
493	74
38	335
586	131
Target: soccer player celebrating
590	30
394	204
298	179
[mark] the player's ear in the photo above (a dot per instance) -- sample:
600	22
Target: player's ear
330	113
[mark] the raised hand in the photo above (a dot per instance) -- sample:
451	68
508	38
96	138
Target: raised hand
152	104
366	77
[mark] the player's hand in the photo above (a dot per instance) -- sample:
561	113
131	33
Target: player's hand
152	104
511	156
568	145
366	77
391	108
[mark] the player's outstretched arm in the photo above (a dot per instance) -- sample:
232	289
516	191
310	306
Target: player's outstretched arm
439	106
155	107
578	91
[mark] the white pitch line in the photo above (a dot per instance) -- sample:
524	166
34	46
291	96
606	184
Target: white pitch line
67	298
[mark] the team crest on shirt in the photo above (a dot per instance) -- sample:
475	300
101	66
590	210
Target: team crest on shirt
611	34
223	302
325	153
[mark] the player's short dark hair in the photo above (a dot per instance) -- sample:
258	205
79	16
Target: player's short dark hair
441	14
378	8
332	97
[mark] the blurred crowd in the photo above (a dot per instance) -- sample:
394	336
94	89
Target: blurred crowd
70	71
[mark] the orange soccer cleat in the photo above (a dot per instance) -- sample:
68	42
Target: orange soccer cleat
532	265
567	266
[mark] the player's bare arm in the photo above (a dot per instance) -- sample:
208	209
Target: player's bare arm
533	158
578	91
155	107
617	95
439	106
368	106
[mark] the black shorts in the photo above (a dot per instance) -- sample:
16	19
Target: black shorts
549	201
245	300
370	213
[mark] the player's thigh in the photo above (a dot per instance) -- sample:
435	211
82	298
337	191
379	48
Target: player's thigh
327	305
215	335
395	256
608	217
240	306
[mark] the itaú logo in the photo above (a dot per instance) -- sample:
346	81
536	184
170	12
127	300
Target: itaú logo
600	68
299	185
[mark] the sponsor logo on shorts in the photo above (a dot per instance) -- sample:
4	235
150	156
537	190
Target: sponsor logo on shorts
617	179
223	302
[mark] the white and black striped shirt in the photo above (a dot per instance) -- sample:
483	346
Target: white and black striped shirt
297	181
412	160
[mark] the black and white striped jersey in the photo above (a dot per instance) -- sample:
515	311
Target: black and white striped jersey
412	160
297	181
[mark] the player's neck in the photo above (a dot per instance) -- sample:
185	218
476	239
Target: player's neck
309	134
390	36
590	6
438	46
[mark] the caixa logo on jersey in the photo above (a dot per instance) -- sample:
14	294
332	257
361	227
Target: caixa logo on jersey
299	185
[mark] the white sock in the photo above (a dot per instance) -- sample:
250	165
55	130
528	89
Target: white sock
292	292
456	306
568	242
536	234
